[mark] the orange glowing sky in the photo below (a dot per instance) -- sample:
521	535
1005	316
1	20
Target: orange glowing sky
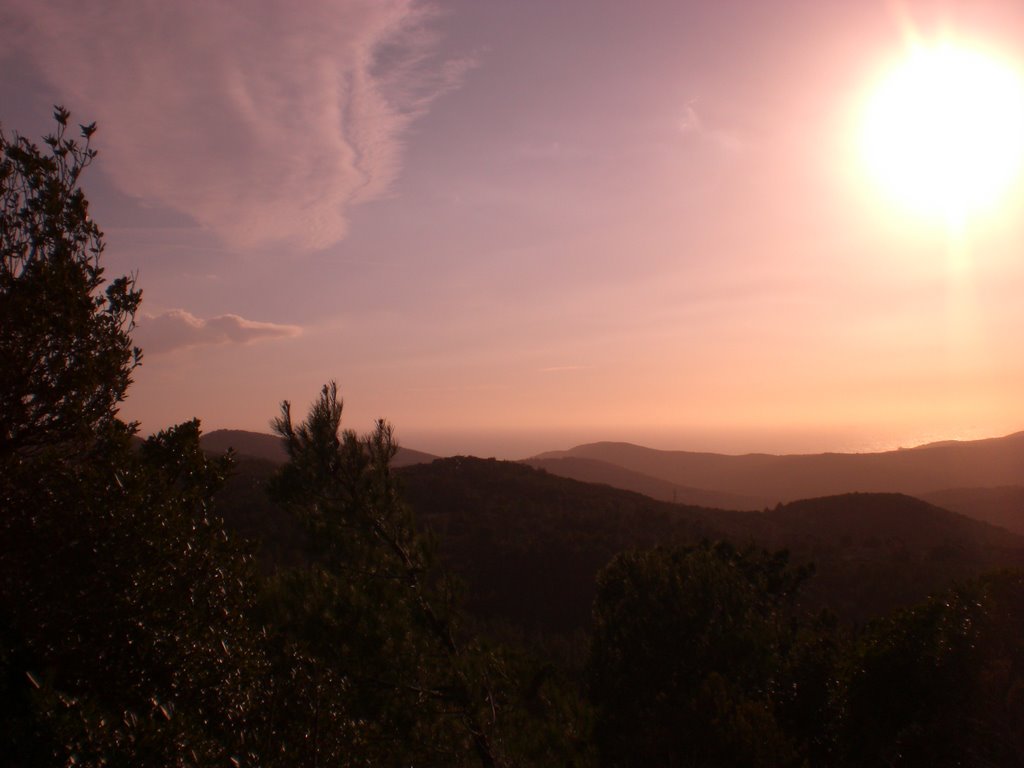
509	227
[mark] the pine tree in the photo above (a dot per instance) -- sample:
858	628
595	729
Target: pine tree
374	609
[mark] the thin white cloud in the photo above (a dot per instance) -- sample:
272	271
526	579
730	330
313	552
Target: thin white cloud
548	150
265	121
690	121
692	124
178	329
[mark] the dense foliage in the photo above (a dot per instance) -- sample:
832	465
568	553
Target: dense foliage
942	683
696	661
121	600
65	352
692	658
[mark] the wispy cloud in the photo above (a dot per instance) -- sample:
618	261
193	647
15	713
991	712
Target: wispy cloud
548	150
177	329
265	121
691	123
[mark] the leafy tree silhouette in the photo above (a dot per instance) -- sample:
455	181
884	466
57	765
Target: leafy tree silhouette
66	355
122	603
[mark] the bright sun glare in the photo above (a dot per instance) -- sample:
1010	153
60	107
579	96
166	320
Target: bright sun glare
944	132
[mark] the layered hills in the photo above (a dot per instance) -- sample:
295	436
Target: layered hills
537	541
973	468
528	543
595	471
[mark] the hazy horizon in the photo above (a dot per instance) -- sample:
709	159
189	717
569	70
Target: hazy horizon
520	446
511	445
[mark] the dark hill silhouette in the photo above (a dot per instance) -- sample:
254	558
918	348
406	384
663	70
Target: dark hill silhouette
536	540
862	516
875	553
1002	506
993	462
528	543
269	447
594	471
255	444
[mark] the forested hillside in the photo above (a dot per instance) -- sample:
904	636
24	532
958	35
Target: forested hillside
528	544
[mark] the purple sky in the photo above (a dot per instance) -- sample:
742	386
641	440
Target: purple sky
520	225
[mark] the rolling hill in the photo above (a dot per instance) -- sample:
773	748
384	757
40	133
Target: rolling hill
1002	506
270	448
918	471
537	540
594	471
528	543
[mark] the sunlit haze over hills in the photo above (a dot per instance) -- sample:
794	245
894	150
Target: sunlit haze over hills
510	227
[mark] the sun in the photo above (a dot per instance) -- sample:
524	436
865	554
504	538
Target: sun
943	132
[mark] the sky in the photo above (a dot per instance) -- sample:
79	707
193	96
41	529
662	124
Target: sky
510	227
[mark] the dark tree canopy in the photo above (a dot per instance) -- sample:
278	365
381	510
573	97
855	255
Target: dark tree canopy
65	348
123	635
942	683
689	657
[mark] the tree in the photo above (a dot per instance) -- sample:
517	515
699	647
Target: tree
129	607
941	683
688	657
66	355
372	610
133	631
124	637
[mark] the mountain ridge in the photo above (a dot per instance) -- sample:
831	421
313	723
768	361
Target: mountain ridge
1019	435
602	472
989	462
528	543
261	445
959	475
